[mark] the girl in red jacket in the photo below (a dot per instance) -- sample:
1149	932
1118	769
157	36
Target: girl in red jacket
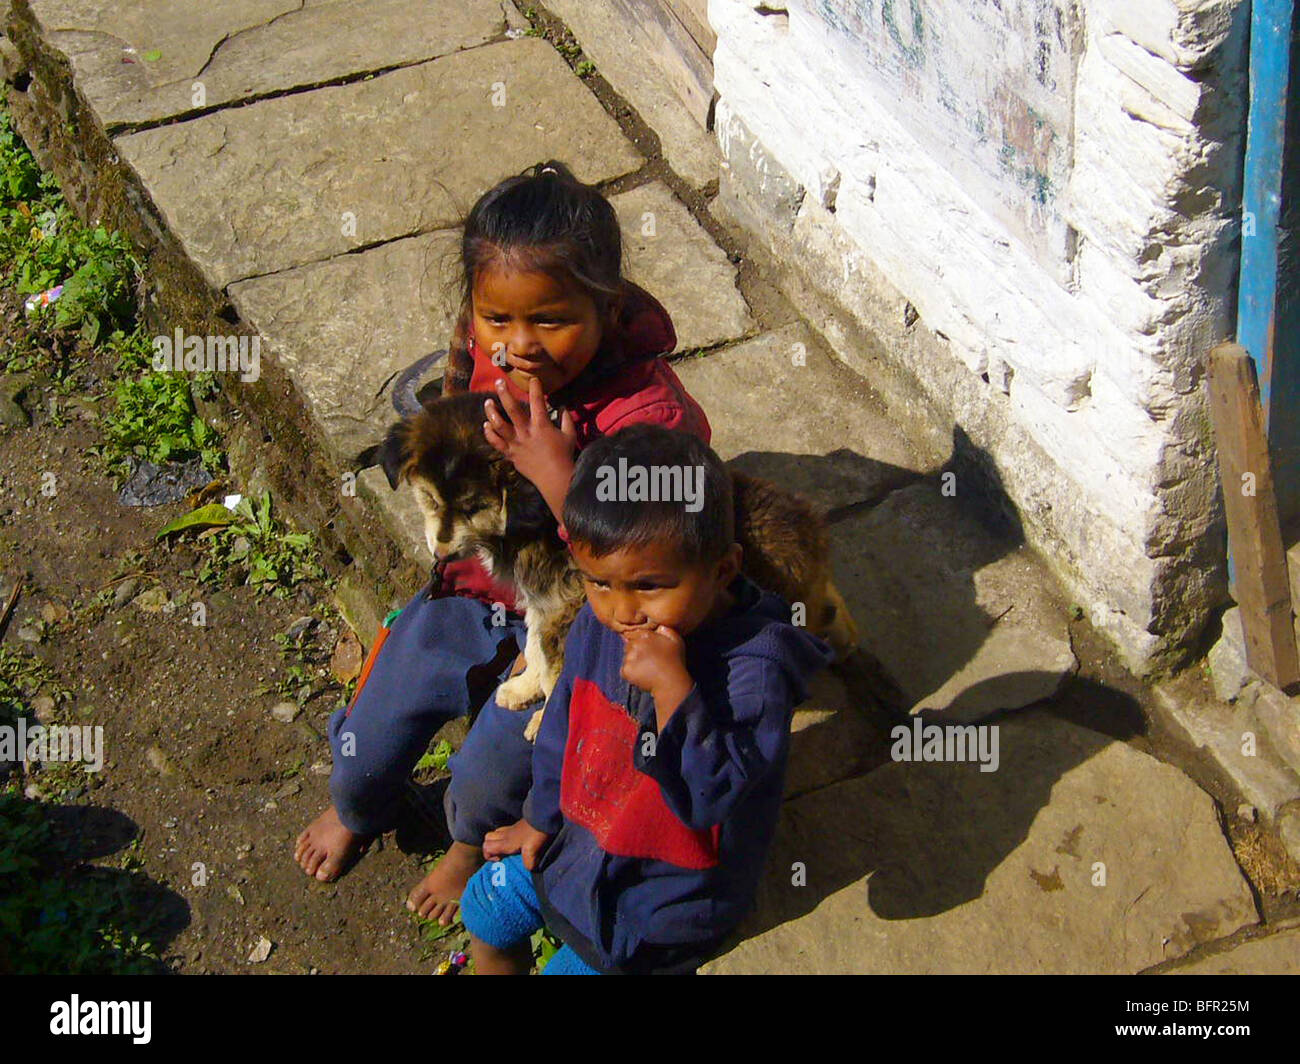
547	316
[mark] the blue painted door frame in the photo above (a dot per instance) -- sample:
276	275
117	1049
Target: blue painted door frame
1268	309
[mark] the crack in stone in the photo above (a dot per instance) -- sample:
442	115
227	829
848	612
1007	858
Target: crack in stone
359	249
302	4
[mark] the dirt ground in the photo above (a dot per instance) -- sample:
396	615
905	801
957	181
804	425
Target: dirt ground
202	792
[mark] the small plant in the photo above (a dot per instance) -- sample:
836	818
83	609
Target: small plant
436	758
43	244
154	418
271	558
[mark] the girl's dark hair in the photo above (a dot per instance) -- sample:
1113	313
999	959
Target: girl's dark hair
545	219
603	525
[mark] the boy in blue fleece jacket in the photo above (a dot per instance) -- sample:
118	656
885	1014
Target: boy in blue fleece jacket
658	770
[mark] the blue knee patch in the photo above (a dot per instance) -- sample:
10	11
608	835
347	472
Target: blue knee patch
499	905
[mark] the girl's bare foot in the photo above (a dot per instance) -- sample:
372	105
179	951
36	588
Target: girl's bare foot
437	895
327	848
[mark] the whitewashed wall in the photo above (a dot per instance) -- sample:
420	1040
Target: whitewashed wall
1054	186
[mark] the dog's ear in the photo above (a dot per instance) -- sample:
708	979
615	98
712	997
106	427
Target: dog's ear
527	514
391	454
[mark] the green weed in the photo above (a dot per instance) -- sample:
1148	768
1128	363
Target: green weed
256	549
154	417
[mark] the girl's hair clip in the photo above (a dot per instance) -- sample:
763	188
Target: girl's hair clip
548	170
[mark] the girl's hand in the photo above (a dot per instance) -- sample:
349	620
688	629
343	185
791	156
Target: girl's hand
535	446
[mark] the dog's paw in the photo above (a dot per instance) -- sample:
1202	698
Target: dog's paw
534	725
519	691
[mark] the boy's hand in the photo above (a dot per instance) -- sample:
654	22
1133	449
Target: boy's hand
654	659
520	837
530	441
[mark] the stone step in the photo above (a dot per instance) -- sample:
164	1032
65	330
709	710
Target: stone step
939	867
1277	954
966	621
297	179
783	409
145	62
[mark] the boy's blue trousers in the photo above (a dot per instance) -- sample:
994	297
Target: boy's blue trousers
441	658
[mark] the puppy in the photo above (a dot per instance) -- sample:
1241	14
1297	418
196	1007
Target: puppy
473	500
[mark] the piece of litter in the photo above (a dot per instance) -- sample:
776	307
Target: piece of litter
43	299
231	501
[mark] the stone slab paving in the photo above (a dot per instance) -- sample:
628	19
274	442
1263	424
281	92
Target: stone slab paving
138	62
343	329
938	867
1277	954
285	181
964	621
672	258
781	408
619	52
347	327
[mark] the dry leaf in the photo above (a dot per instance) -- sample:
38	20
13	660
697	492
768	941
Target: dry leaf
348	658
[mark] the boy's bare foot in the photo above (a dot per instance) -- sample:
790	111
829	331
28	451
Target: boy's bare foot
326	848
437	895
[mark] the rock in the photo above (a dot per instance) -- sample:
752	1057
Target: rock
246	190
285	712
159	761
929	867
261	950
151	601
670	254
153	485
124	591
247	47
12	415
300	626
348	657
1288	830
1227	659
288	790
1277	954
54	613
43	707
29	633
321	768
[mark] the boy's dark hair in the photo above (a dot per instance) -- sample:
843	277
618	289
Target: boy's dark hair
604	525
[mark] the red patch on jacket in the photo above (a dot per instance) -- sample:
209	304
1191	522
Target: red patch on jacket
602	790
